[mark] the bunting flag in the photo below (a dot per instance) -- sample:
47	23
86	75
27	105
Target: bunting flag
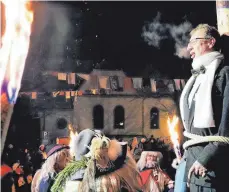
128	85
83	76
103	82
94	91
80	92
177	84
34	95
67	95
53	73
61	93
137	83
73	93
62	76
54	94
94	82
114	83
71	78
182	83
121	81
153	85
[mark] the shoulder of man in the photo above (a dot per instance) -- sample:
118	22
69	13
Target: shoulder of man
222	78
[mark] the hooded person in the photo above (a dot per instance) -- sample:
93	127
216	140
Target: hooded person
154	179
100	165
57	158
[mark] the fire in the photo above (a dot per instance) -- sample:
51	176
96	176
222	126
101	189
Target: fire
15	45
71	138
174	135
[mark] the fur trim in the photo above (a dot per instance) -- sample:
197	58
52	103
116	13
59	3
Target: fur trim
126	177
114	150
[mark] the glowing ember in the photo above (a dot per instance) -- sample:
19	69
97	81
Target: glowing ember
15	45
174	135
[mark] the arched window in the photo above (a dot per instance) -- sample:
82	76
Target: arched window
154	118
119	117
98	117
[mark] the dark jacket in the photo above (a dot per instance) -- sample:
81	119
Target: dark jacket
213	155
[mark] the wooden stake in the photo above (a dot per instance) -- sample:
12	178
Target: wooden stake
6	126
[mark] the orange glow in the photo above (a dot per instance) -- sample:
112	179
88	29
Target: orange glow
174	135
15	44
71	136
172	130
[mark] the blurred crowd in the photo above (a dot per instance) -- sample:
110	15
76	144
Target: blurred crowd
23	169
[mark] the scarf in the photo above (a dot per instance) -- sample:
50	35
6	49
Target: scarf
203	112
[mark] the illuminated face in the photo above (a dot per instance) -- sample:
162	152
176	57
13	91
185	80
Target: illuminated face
63	159
151	158
199	44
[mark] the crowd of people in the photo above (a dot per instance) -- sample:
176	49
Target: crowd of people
18	165
38	170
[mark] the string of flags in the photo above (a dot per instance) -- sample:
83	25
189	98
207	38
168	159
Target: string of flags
67	94
117	83
100	85
155	87
69	77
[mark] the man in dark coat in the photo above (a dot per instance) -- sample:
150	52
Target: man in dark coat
204	107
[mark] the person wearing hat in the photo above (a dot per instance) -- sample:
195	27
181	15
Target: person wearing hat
100	165
57	158
154	179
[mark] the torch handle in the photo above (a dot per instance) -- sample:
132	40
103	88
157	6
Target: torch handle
178	153
6	126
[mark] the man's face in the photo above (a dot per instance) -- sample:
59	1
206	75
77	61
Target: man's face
199	44
151	158
151	161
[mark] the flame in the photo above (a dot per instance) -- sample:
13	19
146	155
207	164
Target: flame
72	138
15	44
173	133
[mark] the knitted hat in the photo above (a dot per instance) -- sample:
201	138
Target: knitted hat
53	148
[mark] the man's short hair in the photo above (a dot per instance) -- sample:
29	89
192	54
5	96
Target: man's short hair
210	32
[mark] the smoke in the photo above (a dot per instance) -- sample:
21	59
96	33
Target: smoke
50	47
155	32
58	27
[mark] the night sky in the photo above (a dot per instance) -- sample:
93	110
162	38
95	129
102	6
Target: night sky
82	36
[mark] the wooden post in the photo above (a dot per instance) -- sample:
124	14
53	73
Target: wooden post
222	9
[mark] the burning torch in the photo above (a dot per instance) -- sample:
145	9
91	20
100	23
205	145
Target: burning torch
174	136
13	53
